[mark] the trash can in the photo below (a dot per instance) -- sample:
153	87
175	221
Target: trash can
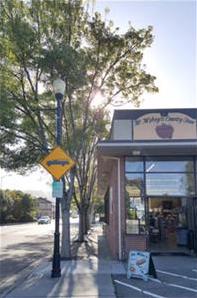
182	236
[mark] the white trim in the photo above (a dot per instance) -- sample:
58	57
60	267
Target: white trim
110	200
145	144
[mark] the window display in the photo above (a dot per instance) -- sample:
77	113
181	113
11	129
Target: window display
135	216
170	183
168	221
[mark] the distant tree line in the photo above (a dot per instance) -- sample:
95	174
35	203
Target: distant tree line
16	206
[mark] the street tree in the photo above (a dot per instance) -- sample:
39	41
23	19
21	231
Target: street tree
16	206
42	40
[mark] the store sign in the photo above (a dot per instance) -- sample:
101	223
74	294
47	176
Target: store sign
140	265
154	126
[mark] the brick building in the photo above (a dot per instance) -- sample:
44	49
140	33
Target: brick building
147	174
45	207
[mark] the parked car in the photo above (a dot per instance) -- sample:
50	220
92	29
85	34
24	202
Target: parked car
44	220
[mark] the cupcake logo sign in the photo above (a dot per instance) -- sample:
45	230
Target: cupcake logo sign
171	126
164	131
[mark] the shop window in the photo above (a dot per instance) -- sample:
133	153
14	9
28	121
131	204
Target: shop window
134	164
176	184
168	165
135	215
134	184
134	192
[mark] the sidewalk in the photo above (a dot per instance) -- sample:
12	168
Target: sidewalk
88	275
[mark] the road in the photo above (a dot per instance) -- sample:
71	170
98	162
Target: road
22	245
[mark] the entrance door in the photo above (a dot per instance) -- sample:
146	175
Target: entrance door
168	224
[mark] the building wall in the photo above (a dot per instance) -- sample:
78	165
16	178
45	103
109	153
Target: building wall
168	124
122	130
135	242
171	125
112	228
45	208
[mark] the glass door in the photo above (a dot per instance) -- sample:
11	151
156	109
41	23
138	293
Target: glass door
168	223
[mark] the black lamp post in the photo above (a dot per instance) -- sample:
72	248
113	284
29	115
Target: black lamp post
59	88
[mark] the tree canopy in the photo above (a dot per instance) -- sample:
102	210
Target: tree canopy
41	40
16	206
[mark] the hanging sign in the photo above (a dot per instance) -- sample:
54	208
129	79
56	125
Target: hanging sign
57	163
140	264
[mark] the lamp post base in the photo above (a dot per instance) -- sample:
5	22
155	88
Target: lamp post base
56	272
56	268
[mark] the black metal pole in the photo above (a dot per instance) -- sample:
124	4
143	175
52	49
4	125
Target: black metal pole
56	267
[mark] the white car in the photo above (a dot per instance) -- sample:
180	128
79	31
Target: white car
44	220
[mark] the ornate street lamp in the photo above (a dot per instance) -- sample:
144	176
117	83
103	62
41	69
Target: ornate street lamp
59	88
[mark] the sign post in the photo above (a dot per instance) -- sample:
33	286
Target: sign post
57	163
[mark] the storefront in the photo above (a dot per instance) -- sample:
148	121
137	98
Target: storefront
147	174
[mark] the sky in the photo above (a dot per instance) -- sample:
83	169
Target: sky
171	58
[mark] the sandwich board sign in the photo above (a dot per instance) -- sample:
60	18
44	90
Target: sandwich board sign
57	163
140	265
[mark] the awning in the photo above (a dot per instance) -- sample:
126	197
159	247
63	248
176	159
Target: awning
124	148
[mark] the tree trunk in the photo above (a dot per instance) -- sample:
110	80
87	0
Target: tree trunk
65	208
87	220
81	224
65	247
91	214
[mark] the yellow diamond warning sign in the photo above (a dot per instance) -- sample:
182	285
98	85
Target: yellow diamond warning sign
57	163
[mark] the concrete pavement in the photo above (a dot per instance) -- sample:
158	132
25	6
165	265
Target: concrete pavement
92	273
89	275
24	246
81	278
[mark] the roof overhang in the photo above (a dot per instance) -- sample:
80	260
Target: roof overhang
113	148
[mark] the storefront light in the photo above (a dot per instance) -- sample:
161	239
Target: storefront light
135	152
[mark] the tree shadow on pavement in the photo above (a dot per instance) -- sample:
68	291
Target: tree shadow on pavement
95	245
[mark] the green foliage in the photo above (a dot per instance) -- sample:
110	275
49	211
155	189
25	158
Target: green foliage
16	206
98	205
40	40
131	214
